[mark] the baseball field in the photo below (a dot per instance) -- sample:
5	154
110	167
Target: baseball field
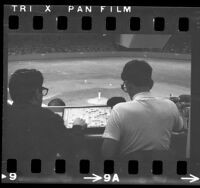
76	80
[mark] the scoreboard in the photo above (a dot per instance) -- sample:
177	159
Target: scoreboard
95	116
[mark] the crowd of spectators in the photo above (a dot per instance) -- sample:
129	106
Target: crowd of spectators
178	44
61	43
48	43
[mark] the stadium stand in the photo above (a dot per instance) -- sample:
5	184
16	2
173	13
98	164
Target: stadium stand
62	43
38	43
178	44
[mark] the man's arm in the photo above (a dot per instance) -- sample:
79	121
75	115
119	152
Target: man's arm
109	148
179	121
62	140
111	136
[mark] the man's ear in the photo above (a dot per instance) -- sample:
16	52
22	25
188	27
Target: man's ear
132	87
37	93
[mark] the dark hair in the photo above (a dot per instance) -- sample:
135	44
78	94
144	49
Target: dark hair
23	83
115	100
138	72
56	102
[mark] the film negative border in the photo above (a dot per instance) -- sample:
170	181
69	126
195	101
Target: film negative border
152	21
94	19
110	23
109	167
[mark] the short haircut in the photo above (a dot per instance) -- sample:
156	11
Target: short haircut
115	100
138	72
56	102
23	83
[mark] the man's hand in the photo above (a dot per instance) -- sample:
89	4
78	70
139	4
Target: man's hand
80	123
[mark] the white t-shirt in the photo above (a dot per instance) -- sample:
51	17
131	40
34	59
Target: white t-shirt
145	123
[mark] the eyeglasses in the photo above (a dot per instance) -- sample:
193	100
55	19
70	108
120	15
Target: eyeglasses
123	87
44	91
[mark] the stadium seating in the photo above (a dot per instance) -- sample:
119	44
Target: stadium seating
48	43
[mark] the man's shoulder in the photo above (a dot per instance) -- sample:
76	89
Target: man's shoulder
166	101
166	105
135	104
119	105
44	113
124	105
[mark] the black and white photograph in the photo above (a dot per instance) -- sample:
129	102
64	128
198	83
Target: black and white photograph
97	108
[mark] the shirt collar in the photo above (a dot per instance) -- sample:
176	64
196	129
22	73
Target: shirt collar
143	95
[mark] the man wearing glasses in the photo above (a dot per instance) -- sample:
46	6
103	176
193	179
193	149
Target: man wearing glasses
143	124
32	132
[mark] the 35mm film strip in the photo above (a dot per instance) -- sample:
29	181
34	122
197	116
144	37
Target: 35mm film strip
84	166
68	100
110	23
